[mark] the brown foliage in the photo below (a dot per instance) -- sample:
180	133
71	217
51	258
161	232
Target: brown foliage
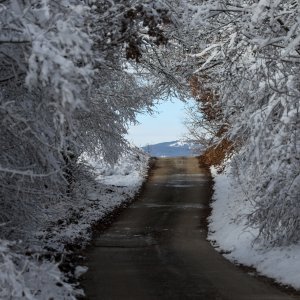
215	155
209	108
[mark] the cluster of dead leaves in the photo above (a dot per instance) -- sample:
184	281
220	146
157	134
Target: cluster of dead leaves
215	154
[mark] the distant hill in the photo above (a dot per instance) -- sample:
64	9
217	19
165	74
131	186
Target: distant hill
172	149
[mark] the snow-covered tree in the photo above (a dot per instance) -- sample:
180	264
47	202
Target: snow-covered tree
45	64
250	51
69	83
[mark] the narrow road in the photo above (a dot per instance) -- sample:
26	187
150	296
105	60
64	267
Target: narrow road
157	249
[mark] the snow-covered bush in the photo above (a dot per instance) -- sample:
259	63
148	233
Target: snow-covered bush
26	277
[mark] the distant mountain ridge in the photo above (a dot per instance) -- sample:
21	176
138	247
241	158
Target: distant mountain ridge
173	149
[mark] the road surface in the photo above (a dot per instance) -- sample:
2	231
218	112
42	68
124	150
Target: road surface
157	248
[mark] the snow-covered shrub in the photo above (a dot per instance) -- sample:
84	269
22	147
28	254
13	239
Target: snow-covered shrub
26	277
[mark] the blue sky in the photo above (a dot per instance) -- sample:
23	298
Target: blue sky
163	126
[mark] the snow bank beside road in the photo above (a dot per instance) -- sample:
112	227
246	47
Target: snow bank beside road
129	171
24	271
229	233
97	195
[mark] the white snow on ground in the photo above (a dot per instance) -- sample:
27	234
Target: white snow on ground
110	187
28	277
123	173
228	232
31	276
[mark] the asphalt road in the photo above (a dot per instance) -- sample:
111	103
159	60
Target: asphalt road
157	248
